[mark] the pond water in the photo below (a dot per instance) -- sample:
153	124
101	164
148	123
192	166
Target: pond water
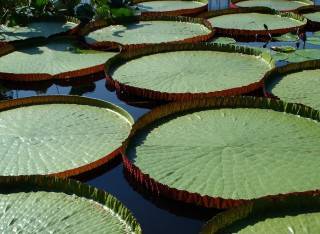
155	214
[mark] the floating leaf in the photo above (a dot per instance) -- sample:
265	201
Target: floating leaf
55	59
253	23
34	204
38	28
288	37
59	135
284	49
280	5
147	30
298	83
187	70
313	40
294	213
204	151
316	34
170	7
224	40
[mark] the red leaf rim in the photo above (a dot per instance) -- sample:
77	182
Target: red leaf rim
28	77
39	100
157	95
267	204
287	69
233	4
111	45
205	103
250	34
175	12
311	25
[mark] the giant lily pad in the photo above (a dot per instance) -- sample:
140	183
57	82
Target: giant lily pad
48	59
290	214
41	204
175	72
312	13
297	83
253	23
59	135
143	30
43	27
279	5
171	7
220	152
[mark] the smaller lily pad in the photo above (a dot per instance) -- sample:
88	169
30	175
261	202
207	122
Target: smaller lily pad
224	40
314	40
284	49
288	37
279	5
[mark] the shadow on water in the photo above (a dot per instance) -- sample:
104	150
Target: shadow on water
86	176
176	207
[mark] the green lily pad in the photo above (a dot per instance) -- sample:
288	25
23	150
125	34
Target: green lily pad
296	213
288	37
254	21
224	40
297	86
149	30
59	135
36	28
40	204
314	40
284	49
173	7
314	16
280	5
279	56
316	34
205	152
187	70
55	59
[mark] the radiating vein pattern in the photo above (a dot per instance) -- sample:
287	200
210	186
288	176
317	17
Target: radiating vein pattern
52	138
191	71
167	5
230	153
147	32
53	58
253	21
56	212
299	87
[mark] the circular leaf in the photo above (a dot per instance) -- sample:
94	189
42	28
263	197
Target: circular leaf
170	7
59	135
186	71
148	30
38	28
34	204
280	5
205	152
293	213
292	84
55	59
